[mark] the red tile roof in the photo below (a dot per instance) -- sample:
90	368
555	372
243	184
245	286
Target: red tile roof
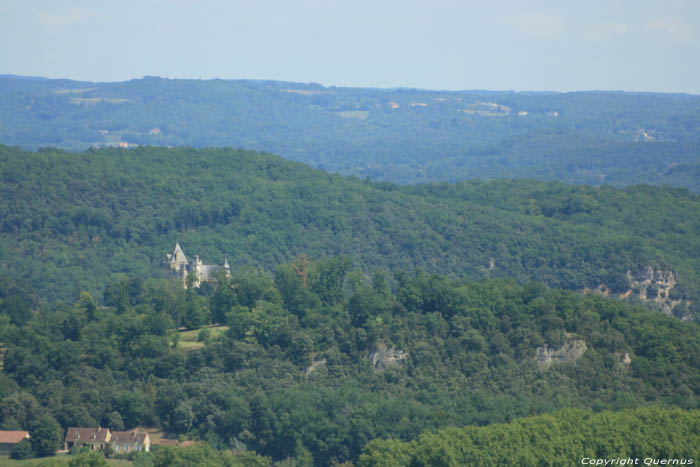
167	442
87	435
13	437
132	436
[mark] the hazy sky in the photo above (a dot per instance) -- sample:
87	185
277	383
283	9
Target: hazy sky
562	45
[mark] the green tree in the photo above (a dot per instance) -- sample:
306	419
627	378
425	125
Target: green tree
46	435
23	450
88	459
17	308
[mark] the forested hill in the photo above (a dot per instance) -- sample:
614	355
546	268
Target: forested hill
646	436
75	221
401	135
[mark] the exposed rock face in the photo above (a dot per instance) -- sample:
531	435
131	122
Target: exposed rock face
621	361
386	356
626	360
654	286
650	285
314	366
570	351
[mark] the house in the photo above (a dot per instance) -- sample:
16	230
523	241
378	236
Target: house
180	267
129	441
94	438
10	439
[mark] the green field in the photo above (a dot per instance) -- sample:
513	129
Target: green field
188	339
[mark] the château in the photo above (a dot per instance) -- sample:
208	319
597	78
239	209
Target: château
180	268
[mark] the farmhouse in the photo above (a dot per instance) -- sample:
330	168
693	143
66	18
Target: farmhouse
99	438
130	441
10	439
94	438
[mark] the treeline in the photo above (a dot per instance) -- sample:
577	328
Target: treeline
401	135
643	436
319	359
76	221
203	455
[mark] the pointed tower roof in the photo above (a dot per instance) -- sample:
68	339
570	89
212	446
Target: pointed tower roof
226	266
178	256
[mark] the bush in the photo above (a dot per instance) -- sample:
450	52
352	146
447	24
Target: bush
23	450
141	459
88	459
652	291
204	335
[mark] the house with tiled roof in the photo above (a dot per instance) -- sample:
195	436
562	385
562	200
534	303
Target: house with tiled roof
123	442
10	439
94	438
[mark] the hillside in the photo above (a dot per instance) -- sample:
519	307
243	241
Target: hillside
76	221
648	436
314	367
400	135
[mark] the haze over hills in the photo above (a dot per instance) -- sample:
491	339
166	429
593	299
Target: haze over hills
401	135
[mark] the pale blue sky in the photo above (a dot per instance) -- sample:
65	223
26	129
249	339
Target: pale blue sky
558	45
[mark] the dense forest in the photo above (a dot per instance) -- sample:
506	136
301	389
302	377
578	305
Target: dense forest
363	321
76	221
317	359
647	436
400	135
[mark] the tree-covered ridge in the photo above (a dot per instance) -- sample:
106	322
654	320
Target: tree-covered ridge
645	436
317	364
402	135
72	221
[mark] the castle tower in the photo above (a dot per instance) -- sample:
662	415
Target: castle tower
177	259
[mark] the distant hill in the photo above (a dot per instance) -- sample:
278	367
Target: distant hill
400	135
76	221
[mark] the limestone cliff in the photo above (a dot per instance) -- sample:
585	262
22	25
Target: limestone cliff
386	356
570	351
651	286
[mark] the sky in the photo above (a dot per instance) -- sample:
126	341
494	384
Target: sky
558	45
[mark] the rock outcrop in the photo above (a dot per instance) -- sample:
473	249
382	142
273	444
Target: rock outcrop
386	356
314	366
651	286
569	352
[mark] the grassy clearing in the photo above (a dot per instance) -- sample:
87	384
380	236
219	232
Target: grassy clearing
188	339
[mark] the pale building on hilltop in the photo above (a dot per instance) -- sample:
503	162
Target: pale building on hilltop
179	266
